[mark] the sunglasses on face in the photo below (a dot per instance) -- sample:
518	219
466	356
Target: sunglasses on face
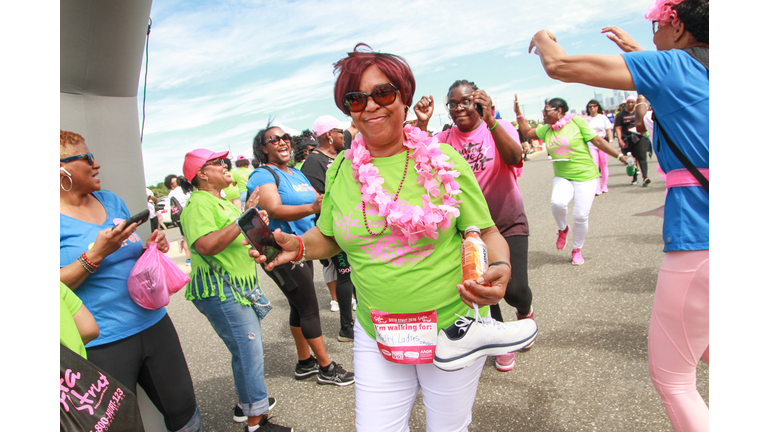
452	106
655	25
215	162
275	139
87	156
547	110
337	130
592	106
384	94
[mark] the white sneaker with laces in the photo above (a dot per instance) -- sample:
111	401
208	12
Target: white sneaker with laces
334	306
468	339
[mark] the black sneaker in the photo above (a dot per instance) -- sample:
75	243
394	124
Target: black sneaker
240	416
347	335
304	372
266	426
336	375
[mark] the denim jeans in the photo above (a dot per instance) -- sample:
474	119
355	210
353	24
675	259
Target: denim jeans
240	329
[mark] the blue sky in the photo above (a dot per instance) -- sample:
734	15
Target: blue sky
218	70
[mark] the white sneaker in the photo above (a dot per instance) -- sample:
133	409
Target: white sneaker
334	306
468	339
354	304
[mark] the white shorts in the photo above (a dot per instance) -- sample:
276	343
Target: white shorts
385	391
329	272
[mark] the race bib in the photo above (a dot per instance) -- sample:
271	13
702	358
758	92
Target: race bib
406	338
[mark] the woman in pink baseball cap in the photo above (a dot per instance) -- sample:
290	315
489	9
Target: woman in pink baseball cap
225	285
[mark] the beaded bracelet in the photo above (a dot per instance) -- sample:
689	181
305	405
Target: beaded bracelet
85	265
87	261
494	126
302	256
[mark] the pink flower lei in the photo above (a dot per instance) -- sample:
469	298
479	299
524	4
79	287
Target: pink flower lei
409	223
562	122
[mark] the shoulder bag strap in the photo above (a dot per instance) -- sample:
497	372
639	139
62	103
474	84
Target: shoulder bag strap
271	171
686	162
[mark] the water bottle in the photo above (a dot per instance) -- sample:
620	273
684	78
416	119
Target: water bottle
474	255
630	164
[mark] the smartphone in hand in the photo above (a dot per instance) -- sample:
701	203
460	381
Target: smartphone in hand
139	218
258	234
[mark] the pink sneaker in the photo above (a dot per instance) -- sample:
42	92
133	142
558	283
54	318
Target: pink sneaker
505	362
605	190
527	316
562	238
577	258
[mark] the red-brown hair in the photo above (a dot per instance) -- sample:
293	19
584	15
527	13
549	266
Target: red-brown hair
350	69
68	140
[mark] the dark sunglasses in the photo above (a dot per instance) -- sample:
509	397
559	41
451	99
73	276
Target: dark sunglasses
214	162
88	156
275	139
383	95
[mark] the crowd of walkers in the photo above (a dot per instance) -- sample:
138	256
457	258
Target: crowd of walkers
383	205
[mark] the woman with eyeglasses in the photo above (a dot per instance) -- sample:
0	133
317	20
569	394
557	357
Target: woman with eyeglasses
675	79
566	137
224	283
604	128
391	203
96	255
291	202
492	148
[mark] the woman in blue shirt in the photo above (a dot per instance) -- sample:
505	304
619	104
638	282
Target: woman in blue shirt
97	253
675	79
292	203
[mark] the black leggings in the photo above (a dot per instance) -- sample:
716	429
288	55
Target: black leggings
639	150
152	358
344	290
518	293
299	289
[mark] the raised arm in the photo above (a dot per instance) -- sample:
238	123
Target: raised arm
640	109
525	128
509	149
590	69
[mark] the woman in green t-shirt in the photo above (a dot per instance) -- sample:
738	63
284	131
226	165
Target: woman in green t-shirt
224	285
566	136
391	203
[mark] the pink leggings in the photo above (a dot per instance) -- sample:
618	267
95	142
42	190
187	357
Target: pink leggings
679	336
600	158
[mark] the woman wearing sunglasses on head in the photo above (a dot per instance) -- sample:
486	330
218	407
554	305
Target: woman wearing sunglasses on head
604	128
566	136
391	205
224	282
291	202
675	79
493	149
97	253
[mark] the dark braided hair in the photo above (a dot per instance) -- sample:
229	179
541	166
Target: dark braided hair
459	83
695	15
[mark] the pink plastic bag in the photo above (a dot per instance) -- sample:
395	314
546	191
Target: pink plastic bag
154	279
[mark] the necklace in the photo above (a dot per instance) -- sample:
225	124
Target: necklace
409	223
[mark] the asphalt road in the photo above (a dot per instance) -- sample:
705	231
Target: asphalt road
587	371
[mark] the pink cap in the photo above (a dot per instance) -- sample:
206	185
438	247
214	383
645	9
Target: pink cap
241	157
325	123
632	98
195	160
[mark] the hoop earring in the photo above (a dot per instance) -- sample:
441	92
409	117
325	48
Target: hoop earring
62	185
331	143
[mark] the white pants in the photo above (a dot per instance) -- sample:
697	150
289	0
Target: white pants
582	194
385	391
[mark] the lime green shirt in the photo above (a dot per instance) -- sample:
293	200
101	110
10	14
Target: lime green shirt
240	175
570	142
205	214
69	336
389	275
